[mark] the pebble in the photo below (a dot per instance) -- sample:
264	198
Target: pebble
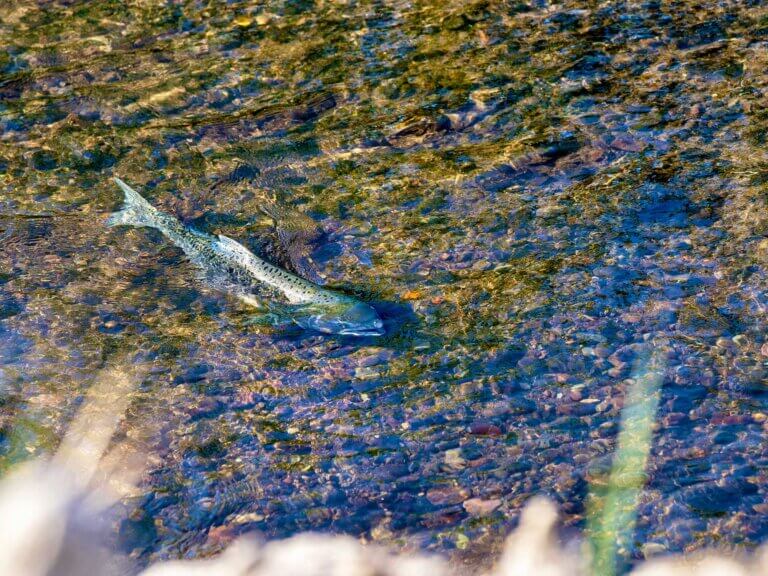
247	518
479	507
627	144
696	110
724	437
263	18
551	210
447	495
724	343
484	429
221	535
412	295
602	351
367	372
243	21
454	459
616	371
379	357
741	340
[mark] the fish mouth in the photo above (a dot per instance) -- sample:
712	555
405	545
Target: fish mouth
372	331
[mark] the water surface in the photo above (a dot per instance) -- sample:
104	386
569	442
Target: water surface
533	194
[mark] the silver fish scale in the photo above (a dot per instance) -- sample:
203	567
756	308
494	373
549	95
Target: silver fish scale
229	265
296	289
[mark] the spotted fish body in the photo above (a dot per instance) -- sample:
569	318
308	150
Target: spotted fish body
231	267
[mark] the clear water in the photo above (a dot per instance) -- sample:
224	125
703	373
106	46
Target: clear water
531	193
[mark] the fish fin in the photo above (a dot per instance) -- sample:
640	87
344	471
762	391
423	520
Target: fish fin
136	211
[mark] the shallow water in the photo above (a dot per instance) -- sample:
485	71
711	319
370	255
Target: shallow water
533	194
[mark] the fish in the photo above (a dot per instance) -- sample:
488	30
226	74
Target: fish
229	266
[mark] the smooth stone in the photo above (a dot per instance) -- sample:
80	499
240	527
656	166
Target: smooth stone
480	507
484	429
447	495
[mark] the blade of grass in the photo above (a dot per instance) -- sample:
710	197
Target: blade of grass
612	510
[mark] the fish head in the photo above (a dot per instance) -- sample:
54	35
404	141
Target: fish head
347	318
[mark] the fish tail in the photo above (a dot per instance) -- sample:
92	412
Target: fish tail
136	211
